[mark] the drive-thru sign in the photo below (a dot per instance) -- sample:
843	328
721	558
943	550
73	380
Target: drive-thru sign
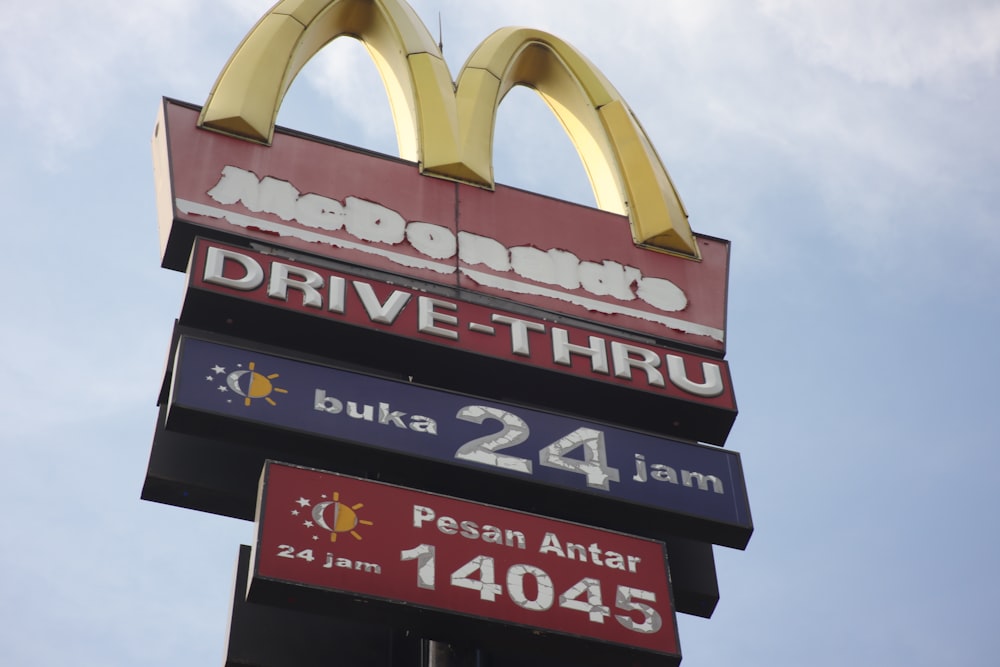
455	343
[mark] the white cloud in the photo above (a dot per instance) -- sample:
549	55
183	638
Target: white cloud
345	74
79	375
894	43
67	66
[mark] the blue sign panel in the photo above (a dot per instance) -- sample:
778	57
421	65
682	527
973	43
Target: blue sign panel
690	484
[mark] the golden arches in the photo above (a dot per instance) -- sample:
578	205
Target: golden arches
248	93
449	129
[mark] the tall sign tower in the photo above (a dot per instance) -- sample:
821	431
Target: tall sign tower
465	418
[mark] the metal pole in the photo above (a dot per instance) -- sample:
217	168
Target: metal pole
442	654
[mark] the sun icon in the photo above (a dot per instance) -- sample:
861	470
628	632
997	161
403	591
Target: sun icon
345	518
250	384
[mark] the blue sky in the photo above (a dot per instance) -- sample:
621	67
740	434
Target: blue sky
849	150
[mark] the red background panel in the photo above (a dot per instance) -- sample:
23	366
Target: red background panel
385	528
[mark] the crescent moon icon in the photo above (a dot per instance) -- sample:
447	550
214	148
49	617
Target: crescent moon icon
317	514
233	381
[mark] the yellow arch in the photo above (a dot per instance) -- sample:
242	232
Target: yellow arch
624	170
246	97
449	129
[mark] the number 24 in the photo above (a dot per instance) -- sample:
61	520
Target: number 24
594	465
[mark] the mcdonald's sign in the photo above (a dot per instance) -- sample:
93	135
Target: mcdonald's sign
414	316
435	213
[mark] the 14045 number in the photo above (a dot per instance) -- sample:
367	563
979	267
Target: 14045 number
585	595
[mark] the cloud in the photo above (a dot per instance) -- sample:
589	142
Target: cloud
67	66
899	44
353	101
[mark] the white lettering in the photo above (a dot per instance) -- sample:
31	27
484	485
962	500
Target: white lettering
552	267
338	295
702	481
624	363
237	186
447	525
422	424
609	278
348	564
470	530
215	267
584	553
422	515
640	468
519	329
492	534
475	249
442	318
614	560
562	348
434	241
711	387
326	403
427	317
282	278
662	473
277	197
513	538
386	417
662	294
319	212
632	562
374	223
366	412
383	313
551	545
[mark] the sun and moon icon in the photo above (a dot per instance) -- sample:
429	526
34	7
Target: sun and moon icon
247	383
333	516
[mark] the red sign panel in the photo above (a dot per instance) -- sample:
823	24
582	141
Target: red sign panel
360	543
412	313
321	198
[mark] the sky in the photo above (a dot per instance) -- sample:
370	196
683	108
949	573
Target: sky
849	150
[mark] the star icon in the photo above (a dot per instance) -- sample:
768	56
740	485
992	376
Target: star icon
218	370
307	523
295	512
303	502
223	388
